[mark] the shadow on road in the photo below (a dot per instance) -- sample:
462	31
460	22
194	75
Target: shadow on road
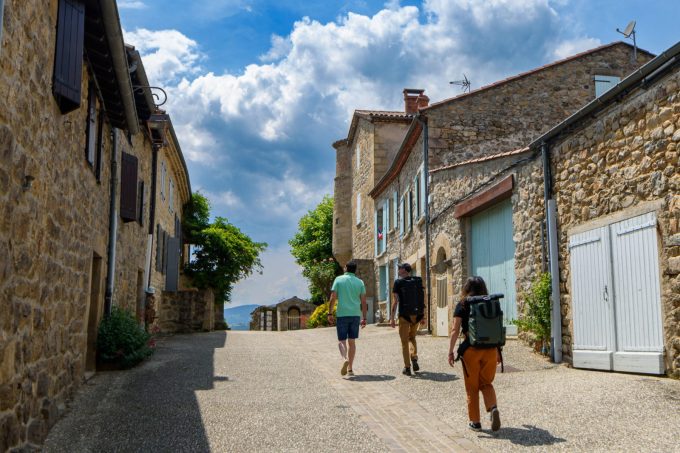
371	378
439	377
530	436
152	407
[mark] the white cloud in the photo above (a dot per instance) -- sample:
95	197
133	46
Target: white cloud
281	279
573	46
123	4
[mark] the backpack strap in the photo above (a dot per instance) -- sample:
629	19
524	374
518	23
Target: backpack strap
500	351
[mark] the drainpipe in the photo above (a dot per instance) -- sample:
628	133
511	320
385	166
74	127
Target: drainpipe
113	226
553	257
152	216
426	175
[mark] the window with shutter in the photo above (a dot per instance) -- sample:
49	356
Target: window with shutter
171	195
91	126
140	203
165	252
604	83
158	248
68	57
100	146
358	219
128	188
416	187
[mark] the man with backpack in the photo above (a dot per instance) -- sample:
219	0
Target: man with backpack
408	296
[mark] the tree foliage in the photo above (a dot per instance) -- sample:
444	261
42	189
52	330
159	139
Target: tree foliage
312	247
223	254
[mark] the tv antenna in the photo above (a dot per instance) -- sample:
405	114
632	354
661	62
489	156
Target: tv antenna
465	84
627	33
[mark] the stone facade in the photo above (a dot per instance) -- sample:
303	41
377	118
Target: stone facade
55	215
290	314
186	311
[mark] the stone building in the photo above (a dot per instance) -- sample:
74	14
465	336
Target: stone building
613	177
76	198
478	125
289	314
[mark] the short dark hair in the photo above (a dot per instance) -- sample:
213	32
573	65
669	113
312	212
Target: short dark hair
351	266
406	267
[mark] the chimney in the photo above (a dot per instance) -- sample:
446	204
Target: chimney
414	99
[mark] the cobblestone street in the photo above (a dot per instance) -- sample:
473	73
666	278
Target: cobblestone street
268	391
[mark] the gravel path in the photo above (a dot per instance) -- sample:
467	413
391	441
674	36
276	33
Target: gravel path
268	391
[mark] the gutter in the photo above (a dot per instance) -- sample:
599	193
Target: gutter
114	36
113	226
426	174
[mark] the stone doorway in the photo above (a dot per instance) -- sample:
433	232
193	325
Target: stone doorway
93	313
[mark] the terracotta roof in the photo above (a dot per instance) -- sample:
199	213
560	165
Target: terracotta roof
371	115
531	72
399	160
483	159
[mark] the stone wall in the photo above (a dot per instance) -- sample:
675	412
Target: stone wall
342	204
510	113
625	157
53	231
362	183
186	311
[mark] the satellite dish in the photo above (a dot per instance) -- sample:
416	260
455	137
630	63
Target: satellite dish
629	29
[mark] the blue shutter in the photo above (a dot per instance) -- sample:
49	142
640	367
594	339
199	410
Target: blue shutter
375	233
395	200
402	217
604	84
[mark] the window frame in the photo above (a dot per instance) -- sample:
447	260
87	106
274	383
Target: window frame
610	80
358	209
91	126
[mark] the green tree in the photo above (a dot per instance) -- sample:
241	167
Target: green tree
312	247
223	254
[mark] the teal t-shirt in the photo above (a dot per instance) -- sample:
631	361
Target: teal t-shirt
349	289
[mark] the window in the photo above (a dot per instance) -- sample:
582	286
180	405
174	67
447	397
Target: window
358	219
384	283
171	195
100	147
409	208
140	203
392	212
416	187
128	188
162	175
422	200
380	231
604	83
402	215
91	127
358	153
68	58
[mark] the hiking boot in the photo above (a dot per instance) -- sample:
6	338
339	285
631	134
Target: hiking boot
495	418
475	426
407	371
350	373
414	362
343	370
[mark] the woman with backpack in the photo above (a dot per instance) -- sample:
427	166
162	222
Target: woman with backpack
479	364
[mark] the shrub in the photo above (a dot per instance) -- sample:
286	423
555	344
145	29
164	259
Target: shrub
536	311
320	316
121	340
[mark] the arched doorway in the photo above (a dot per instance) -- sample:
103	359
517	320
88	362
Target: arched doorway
440	268
293	318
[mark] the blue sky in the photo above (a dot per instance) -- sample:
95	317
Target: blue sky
259	89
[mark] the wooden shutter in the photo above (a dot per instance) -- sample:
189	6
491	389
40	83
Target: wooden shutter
128	188
164	268
140	203
100	145
158	248
68	58
172	271
91	127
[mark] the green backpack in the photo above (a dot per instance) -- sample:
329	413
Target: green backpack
486	329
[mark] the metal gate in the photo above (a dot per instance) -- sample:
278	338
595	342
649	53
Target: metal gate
442	308
616	297
493	256
293	319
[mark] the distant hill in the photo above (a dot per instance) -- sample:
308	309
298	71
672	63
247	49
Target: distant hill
238	318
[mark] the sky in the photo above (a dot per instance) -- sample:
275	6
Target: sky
258	90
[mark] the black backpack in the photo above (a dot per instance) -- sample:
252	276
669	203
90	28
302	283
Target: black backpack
486	329
412	297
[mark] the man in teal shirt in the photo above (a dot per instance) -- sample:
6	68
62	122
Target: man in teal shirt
350	293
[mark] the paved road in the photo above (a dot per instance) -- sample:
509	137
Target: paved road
257	391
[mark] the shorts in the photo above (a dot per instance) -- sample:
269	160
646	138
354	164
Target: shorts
347	327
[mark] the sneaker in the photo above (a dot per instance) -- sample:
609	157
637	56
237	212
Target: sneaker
350	373
407	371
414	362
495	418
343	370
475	426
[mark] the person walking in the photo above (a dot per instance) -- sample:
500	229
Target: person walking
408	296
479	364
350	293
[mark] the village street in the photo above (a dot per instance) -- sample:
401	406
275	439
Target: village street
282	391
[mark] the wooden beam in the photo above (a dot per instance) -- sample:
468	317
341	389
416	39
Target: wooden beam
483	200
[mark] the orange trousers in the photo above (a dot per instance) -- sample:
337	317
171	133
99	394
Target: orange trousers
480	369
407	333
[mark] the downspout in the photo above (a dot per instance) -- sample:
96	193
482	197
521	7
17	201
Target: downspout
426	175
152	216
113	226
553	257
